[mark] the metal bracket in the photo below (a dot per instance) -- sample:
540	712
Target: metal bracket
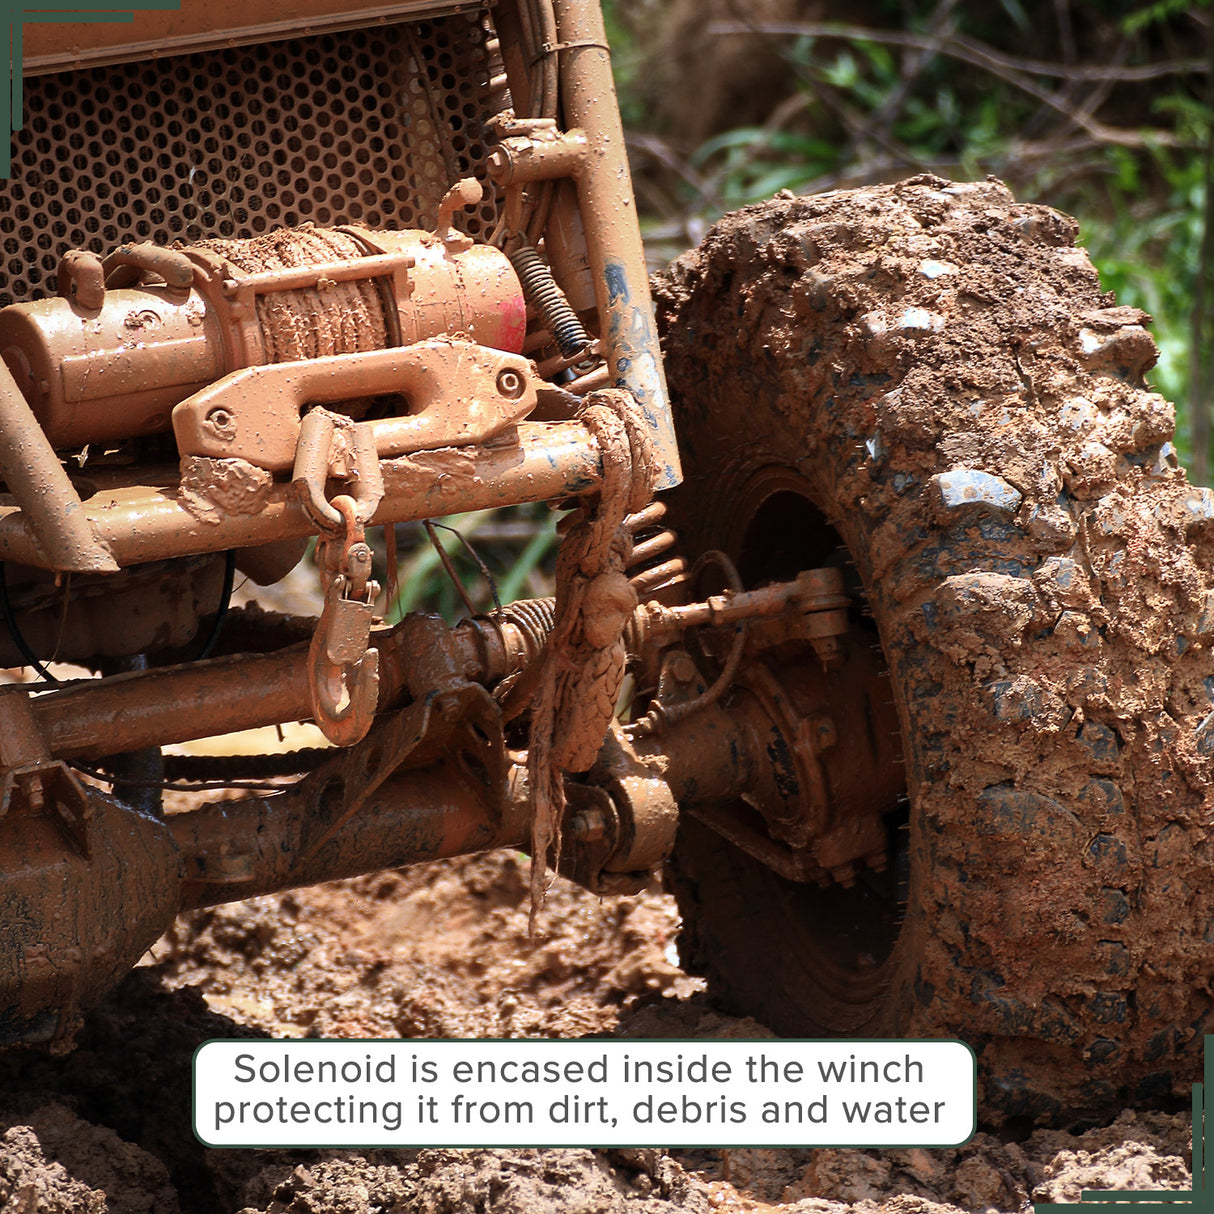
30	780
50	788
458	394
462	728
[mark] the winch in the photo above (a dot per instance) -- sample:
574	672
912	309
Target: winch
132	335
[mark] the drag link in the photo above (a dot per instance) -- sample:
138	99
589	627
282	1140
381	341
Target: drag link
661	715
815	591
97	718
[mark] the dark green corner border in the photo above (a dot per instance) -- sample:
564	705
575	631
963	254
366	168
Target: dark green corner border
1199	1198
13	16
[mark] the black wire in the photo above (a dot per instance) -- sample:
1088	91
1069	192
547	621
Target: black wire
174	786
31	659
225	601
10	622
214	769
497	602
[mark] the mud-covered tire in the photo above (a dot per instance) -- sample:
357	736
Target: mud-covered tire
931	374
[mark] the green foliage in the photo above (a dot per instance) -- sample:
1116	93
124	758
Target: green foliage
627	62
516	547
1158	13
957	89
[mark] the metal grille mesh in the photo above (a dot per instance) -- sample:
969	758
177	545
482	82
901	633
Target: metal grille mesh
361	126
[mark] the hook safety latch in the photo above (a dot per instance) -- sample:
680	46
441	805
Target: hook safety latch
343	672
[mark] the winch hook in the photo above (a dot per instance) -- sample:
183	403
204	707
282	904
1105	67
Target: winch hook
343	672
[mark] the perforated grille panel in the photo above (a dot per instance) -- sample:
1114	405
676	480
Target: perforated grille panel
362	126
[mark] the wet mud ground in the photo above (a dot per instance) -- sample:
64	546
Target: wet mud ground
442	951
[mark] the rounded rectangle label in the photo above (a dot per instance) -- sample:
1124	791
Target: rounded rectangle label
670	1093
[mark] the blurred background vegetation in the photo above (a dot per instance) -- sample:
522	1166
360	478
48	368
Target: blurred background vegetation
1101	109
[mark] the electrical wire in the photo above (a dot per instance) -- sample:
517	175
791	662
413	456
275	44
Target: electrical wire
225	601
447	564
431	526
31	658
10	622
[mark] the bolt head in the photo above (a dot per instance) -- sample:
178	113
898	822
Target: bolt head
220	423
499	165
587	826
510	384
682	668
829	651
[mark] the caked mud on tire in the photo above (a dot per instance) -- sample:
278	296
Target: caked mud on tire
935	369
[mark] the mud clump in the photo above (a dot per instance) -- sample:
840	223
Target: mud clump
440	951
52	1162
505	1182
1138	1151
107	1127
515	1182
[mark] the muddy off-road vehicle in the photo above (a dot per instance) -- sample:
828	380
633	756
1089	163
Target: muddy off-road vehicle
906	685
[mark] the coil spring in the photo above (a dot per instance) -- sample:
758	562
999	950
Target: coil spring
542	292
534	618
651	541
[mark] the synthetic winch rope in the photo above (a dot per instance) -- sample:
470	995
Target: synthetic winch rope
583	661
309	322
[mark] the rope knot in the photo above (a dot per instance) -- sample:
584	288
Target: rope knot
585	657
